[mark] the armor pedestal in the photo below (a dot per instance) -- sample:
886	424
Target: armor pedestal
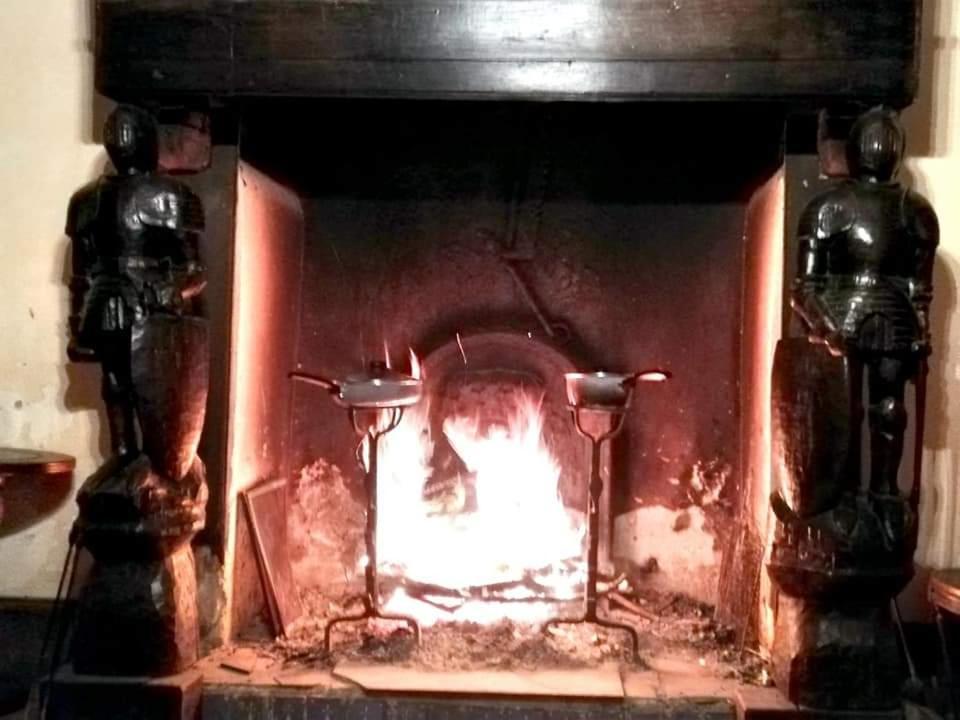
94	697
138	611
836	656
840	553
139	618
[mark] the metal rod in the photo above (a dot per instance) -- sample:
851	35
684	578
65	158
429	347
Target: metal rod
39	689
370	531
530	298
309	379
593	531
62	629
58	601
371	601
594	493
898	619
947	664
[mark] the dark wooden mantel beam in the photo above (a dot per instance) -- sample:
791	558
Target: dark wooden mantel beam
780	50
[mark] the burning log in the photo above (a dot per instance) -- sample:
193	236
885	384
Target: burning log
501	591
623	603
449	490
605	586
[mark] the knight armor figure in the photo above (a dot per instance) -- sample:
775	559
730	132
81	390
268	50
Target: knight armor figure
843	547
865	280
134	252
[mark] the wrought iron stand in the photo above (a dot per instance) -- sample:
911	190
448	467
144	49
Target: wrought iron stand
370	599
615	416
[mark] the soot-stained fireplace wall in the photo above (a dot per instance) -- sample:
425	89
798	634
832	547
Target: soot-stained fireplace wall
625	226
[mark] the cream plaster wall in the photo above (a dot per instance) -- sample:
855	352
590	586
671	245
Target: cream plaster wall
933	126
46	151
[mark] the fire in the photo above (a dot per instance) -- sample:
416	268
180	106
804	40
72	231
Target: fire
514	534
415	370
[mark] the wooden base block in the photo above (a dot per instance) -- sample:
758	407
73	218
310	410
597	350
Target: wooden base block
96	697
759	703
756	703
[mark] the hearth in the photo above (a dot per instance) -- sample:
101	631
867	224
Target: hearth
507	246
514	350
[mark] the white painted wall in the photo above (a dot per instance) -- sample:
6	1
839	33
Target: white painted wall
47	151
933	126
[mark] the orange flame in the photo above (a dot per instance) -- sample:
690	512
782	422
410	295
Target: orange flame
518	524
415	370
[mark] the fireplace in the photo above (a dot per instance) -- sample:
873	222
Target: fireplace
506	245
409	193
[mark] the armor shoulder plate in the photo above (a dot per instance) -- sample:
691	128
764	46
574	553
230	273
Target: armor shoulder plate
163	202
829	214
921	220
83	209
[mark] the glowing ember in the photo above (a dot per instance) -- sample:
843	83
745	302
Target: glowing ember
513	551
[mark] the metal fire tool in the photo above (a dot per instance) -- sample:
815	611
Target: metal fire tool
605	394
379	393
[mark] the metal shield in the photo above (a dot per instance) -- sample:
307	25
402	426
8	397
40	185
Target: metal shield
816	432
170	367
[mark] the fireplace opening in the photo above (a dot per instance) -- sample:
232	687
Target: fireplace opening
480	488
503	245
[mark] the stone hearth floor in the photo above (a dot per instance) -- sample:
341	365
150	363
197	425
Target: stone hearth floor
244	682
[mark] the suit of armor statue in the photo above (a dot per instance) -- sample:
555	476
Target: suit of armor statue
134	248
135	274
844	547
864	285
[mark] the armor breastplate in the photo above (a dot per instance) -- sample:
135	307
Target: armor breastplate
876	240
134	226
866	292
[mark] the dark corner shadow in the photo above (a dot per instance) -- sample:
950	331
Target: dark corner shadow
98	107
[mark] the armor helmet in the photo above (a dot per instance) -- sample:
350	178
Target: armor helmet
876	144
130	136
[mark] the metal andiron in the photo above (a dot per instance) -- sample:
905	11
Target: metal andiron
135	274
607	396
845	532
375	401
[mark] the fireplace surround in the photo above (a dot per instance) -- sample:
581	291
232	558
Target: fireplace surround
513	190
